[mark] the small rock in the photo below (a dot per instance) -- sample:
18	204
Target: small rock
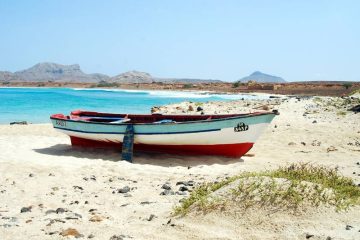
19	123
183	188
303	143
78	187
167	192
328	238
91	236
117	237
181	193
331	149
96	218
31	175
166	186
199	109
124	189
190	108
25	209
291	144
59	210
50	212
309	236
348	227
71	232
151	217
314	121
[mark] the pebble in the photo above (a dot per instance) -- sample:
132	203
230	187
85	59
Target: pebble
348	227
60	210
91	236
78	187
314	121
181	193
31	175
167	192
166	187
186	183
71	232
183	189
151	217
50	212
25	209
117	237
124	189
96	218
307	236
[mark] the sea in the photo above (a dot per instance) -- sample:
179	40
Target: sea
35	105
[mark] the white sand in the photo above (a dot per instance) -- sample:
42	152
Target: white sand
56	168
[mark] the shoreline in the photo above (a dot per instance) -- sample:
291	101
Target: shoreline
290	88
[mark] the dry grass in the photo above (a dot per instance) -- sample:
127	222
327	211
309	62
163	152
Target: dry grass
288	188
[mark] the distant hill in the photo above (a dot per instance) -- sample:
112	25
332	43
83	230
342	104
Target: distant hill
263	78
132	77
42	72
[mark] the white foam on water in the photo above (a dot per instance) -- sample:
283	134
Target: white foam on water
181	94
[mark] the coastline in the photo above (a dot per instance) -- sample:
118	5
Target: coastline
289	88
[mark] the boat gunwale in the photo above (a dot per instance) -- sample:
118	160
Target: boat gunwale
246	115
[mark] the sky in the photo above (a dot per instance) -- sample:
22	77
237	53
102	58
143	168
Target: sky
214	39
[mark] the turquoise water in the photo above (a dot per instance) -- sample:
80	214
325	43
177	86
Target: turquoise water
35	105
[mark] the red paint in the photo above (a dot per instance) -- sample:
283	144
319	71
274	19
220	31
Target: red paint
226	150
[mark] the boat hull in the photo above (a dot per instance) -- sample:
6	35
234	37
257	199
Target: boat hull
229	136
227	150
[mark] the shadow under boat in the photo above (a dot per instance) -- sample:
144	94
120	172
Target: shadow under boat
150	158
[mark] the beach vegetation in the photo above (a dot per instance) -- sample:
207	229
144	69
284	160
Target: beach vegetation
236	84
188	85
291	187
105	84
341	113
347	85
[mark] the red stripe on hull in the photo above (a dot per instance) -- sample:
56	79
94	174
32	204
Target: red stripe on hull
227	150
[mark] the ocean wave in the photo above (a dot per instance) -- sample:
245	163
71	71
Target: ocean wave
179	94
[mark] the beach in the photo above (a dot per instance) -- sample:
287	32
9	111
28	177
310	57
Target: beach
49	190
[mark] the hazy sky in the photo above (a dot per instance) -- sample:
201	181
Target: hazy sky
297	40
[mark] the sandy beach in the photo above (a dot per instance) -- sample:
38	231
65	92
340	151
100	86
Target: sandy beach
49	190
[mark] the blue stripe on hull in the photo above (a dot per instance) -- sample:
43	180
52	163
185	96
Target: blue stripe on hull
149	133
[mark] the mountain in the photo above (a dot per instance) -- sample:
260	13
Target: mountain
42	72
143	77
132	77
262	77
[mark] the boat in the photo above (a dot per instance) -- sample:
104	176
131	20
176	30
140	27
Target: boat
228	135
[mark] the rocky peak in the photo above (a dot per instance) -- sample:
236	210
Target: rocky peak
133	77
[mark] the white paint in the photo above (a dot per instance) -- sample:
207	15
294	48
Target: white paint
224	136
